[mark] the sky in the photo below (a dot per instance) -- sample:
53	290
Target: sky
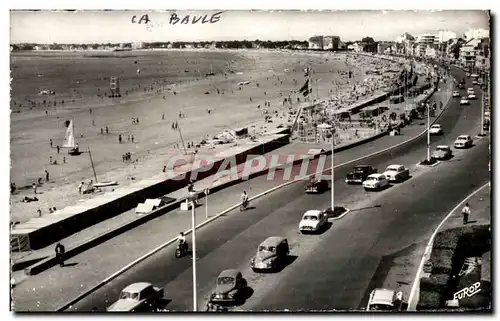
116	26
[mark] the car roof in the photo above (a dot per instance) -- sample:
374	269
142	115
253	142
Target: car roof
272	241
382	296
394	165
442	146
136	287
229	273
357	166
376	175
312	212
436	125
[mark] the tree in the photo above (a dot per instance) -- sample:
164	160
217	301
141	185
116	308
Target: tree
368	40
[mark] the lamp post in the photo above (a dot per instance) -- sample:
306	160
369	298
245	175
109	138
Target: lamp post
428	133
207	191
193	224
332	171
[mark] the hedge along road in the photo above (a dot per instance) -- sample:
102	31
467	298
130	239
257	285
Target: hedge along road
237	227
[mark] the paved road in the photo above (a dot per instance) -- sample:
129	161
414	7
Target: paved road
237	235
52	288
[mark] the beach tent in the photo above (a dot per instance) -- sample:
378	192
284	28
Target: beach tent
148	206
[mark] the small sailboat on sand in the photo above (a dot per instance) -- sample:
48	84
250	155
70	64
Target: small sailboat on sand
74	150
69	141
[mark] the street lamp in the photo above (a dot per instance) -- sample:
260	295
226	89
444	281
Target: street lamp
332	171
193	228
428	132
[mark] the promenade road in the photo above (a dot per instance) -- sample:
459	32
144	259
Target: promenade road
56	286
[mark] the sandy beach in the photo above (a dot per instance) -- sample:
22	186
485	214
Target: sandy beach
157	87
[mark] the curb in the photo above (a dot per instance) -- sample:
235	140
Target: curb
429	166
147	255
341	216
428	248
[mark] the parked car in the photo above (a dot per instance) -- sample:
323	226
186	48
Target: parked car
359	174
271	253
313	221
317	186
463	141
442	152
229	285
472	96
464	101
436	130
136	297
375	182
385	300
396	173
456	94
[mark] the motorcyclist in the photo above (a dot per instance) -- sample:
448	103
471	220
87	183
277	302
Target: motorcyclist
182	241
244	198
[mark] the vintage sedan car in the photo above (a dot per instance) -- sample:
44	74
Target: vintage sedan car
455	93
442	152
385	300
359	174
375	182
436	130
464	101
463	141
472	96
470	90
229	285
317	186
313	221
396	173
137	297
270	254
474	82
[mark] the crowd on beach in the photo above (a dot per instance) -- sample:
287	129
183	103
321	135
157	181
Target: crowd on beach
345	90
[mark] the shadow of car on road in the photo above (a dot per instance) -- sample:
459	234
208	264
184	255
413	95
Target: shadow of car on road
161	305
288	260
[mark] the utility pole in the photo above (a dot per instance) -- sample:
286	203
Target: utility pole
332	169
193	223
428	133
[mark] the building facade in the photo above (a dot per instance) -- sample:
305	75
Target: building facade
477	34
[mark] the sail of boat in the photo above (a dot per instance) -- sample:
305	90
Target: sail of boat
69	141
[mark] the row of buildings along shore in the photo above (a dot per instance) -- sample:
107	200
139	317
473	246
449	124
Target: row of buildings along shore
472	49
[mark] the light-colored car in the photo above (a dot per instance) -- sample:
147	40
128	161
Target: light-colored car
436	130
375	182
136	297
270	254
464	101
474	82
456	94
472	96
470	90
442	152
463	141
313	221
385	300
396	173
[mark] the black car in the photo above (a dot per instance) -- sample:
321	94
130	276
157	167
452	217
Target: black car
229	285
359	174
317	187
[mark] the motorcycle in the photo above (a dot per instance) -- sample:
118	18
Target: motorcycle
181	250
243	206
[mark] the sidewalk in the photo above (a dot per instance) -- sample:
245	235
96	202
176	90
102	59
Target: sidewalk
54	287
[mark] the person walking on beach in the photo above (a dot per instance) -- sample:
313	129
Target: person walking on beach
50	141
80	187
107	130
60	250
47	175
466	213
132	138
34	188
58	148
120	138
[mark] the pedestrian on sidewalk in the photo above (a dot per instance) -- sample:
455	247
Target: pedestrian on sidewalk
466	213
60	250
